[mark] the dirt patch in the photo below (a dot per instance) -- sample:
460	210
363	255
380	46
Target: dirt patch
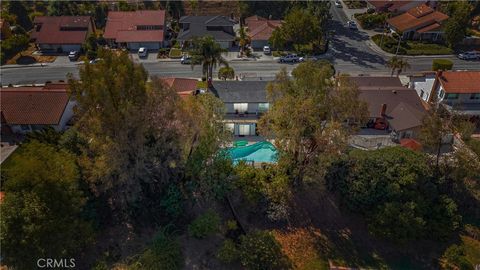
211	7
28	57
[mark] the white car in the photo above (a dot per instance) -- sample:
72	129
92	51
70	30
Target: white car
469	55
338	4
142	52
185	59
267	50
352	25
73	55
290	58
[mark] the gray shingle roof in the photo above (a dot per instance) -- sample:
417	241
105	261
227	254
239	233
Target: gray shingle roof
240	91
198	27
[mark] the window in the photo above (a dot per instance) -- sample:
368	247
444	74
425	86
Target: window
422	93
263	107
243	130
240	107
451	96
441	94
475	96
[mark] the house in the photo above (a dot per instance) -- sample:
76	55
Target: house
29	108
183	86
422	83
393	108
260	30
219	27
245	102
62	33
393	6
458	91
135	29
419	23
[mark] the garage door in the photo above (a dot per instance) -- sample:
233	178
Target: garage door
148	45
258	44
224	44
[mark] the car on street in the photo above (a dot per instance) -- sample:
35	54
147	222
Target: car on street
94	61
142	52
352	25
472	55
267	50
73	55
185	59
289	58
338	4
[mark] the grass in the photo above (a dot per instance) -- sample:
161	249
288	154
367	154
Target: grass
410	47
175	53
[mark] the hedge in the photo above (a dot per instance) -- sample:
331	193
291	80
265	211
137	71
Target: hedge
442	64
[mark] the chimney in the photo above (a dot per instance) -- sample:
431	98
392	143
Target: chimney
384	109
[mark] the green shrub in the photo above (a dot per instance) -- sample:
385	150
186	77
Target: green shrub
165	253
13	45
455	255
226	73
370	21
204	225
175	53
260	251
442	64
228	252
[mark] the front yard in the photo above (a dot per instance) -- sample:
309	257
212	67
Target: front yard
409	47
29	56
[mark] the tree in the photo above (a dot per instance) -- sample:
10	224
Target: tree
18	9
442	64
41	212
456	26
243	39
397	64
132	131
207	52
226	73
396	191
260	251
306	127
435	127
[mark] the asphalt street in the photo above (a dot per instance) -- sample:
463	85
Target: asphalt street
349	51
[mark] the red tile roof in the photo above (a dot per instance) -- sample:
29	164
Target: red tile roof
460	82
411	144
260	28
54	30
182	86
34	105
122	26
416	18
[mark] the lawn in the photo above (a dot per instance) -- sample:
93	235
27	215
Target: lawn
409	47
175	53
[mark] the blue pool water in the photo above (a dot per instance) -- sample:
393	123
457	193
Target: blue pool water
258	152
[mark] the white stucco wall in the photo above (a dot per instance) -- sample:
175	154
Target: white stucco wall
423	83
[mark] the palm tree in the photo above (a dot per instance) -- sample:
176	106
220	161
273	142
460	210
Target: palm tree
402	65
397	64
243	39
392	63
208	53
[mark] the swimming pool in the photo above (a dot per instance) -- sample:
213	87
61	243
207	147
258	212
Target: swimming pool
258	152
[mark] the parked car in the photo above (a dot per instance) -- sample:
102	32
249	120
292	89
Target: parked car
338	4
73	55
94	61
469	55
267	50
142	52
290	58
352	25
185	59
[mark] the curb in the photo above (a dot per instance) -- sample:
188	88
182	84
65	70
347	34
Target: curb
22	66
378	50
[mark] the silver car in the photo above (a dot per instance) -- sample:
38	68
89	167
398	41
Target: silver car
472	55
290	58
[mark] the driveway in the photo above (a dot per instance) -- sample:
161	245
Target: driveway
151	57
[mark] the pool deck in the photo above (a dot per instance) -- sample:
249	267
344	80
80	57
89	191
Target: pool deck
249	139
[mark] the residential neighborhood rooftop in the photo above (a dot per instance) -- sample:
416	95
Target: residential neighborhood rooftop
203	25
183	86
260	28
465	82
34	105
132	26
61	29
422	18
240	91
